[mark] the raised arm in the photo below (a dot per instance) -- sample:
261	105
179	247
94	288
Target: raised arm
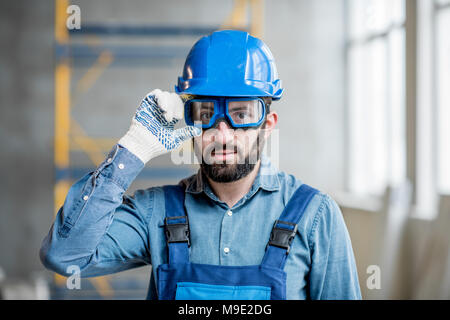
99	229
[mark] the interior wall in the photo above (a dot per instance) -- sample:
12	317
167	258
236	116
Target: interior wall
307	39
26	133
360	224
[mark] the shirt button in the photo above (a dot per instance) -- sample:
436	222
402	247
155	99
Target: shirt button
121	166
230	213
109	160
85	198
226	250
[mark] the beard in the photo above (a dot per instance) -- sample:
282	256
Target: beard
229	172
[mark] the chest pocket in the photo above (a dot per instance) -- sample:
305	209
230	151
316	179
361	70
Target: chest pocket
201	291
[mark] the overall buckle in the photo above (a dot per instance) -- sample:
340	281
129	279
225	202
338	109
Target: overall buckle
177	232
282	237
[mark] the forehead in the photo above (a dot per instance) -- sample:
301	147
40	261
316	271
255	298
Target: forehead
222	97
267	100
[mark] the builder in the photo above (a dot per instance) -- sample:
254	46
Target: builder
239	228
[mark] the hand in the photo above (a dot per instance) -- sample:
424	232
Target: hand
152	130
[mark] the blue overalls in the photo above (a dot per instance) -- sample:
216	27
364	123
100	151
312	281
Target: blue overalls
181	280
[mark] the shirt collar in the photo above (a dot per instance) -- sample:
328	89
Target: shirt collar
266	179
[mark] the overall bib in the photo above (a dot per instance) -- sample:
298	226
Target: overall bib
181	280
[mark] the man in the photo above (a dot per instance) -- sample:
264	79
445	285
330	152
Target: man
238	229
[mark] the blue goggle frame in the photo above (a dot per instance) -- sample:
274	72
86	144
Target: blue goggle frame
221	112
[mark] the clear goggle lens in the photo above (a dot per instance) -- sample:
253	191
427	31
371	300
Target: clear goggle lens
202	111
245	112
239	112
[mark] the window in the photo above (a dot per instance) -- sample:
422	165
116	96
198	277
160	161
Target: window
442	76
376	99
375	95
433	123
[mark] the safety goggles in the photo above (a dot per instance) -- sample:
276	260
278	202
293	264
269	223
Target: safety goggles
240	112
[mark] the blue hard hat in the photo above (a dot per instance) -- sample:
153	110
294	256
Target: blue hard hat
230	63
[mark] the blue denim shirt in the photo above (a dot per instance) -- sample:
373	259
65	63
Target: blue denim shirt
103	231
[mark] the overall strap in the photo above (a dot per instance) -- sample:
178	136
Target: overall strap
176	225
285	228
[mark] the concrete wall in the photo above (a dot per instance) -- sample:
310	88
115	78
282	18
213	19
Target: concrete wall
26	132
307	39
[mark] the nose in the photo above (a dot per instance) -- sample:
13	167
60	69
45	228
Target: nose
224	132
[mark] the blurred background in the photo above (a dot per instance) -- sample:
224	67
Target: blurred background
365	117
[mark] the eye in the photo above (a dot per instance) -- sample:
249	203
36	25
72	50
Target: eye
205	115
242	115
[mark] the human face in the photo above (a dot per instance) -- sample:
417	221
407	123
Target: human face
229	154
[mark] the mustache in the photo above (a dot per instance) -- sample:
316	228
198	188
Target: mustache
216	147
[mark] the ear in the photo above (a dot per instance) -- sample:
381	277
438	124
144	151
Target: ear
271	121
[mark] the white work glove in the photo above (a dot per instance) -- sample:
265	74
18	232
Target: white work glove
152	130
